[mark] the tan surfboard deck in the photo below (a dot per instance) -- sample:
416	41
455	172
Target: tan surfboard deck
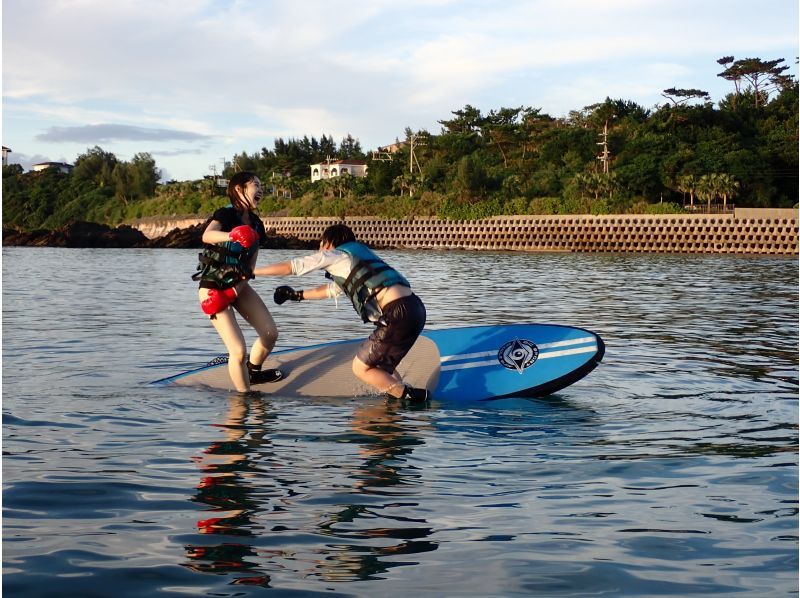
323	371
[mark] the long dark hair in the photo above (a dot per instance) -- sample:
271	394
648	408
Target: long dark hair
338	234
239	179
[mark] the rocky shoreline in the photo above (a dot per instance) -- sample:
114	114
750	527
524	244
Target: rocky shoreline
90	234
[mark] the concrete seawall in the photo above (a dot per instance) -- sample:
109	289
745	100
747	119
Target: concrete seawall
154	227
747	231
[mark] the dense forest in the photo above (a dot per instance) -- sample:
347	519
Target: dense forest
612	157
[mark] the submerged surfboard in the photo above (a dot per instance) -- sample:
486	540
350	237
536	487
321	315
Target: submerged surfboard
455	364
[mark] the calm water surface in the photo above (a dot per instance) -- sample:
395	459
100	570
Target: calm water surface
671	470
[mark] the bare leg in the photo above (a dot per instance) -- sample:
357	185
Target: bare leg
231	335
253	309
379	379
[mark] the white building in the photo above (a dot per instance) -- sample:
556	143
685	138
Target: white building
333	168
6	151
65	168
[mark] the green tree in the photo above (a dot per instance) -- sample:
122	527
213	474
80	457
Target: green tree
144	174
470	178
681	96
122	176
761	77
380	176
407	181
709	188
95	166
467	121
350	148
327	147
727	187
502	129
12	170
341	185
687	184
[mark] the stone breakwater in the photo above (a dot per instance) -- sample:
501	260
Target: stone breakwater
747	231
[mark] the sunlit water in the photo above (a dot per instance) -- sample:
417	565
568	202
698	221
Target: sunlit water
672	469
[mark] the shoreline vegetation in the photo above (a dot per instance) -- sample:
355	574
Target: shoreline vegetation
687	155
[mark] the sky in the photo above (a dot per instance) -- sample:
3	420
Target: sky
194	82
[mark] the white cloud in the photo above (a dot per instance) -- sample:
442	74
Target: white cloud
244	72
103	133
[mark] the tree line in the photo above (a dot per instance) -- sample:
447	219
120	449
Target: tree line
614	156
99	188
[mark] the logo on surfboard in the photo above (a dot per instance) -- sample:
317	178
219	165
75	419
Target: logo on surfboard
518	355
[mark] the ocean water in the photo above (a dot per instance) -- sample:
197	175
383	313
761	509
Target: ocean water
671	470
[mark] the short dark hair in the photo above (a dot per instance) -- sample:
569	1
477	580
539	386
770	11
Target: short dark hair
239	179
338	234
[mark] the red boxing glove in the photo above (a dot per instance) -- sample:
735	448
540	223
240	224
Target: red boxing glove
244	236
217	300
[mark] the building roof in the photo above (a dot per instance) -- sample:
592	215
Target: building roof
393	147
53	165
344	161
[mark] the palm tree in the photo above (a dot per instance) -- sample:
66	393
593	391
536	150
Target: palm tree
400	183
406	182
706	189
687	184
608	184
728	186
589	183
712	186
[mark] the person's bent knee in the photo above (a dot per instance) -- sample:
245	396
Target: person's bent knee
237	356
270	338
359	367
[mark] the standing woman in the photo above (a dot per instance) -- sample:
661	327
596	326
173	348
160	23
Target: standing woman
231	241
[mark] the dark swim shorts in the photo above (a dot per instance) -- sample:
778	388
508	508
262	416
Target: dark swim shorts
402	322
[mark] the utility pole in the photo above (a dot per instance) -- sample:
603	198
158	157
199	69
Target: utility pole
381	156
604	156
219	182
421	140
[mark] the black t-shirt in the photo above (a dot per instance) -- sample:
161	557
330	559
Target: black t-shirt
229	218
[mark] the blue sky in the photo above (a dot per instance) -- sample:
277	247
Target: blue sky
194	82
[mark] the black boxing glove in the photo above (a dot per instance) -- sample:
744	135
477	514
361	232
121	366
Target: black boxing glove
284	294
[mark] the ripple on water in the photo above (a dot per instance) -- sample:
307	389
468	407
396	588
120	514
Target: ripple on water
669	470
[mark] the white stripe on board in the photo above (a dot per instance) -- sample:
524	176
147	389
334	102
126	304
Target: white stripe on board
468	355
574	341
478	364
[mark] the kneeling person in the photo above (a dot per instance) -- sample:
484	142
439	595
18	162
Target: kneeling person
379	294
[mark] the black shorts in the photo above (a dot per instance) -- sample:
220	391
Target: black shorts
402	322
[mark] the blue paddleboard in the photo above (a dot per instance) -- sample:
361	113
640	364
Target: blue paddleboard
456	364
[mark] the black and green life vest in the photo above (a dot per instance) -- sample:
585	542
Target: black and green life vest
369	274
222	265
225	264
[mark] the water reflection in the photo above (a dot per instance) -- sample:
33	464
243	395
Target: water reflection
359	531
226	487
386	440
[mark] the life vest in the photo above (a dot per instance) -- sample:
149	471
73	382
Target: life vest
369	274
225	264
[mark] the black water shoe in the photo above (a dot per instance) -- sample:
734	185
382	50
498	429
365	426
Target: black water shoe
259	376
416	395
